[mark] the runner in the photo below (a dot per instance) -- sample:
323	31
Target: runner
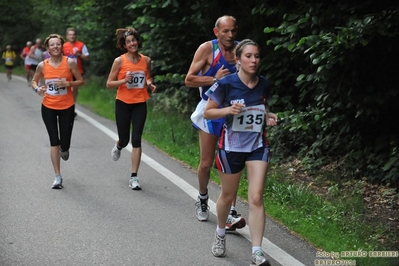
212	60
131	75
9	57
76	50
243	143
58	106
24	56
35	56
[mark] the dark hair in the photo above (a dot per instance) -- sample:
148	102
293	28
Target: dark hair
242	44
121	35
51	36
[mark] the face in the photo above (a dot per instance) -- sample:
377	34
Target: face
131	44
249	59
54	46
71	36
226	32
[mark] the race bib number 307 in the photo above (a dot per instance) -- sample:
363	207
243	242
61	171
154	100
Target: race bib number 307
53	90
137	81
250	119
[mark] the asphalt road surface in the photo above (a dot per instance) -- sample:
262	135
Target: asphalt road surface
96	219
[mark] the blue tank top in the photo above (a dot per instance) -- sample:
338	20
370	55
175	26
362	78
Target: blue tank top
217	62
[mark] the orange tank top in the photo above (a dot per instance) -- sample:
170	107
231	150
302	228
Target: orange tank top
57	98
134	91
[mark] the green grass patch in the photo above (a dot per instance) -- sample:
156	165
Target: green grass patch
335	222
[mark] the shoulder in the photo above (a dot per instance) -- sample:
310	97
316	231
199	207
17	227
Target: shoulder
205	47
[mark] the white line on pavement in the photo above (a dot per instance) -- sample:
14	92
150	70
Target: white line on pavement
271	249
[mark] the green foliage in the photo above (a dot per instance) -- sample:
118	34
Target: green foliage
345	86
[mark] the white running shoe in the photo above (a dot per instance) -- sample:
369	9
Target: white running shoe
115	153
202	209
219	246
134	183
259	258
57	184
235	221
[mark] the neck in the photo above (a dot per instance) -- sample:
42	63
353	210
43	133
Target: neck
55	59
249	80
133	56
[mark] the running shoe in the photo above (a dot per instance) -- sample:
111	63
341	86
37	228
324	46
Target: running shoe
57	182
64	155
234	221
219	246
115	153
134	183
259	258
202	209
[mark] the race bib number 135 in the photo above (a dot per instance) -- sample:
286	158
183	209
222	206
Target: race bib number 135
250	119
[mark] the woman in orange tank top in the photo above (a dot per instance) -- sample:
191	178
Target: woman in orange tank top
131	75
58	107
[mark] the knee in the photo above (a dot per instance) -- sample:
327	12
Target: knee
205	164
256	200
136	143
122	143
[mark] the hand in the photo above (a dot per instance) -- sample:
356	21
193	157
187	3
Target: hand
271	119
41	90
128	77
61	83
236	108
222	72
152	87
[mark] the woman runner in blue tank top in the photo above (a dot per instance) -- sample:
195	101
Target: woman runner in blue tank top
243	143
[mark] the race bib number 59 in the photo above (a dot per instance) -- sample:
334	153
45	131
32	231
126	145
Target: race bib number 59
53	90
250	119
137	81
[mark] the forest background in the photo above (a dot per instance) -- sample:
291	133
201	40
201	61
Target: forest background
333	66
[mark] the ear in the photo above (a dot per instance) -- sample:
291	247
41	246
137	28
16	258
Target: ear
215	31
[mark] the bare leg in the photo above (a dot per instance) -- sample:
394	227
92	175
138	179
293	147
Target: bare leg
136	158
55	159
75	93
256	174
207	155
227	195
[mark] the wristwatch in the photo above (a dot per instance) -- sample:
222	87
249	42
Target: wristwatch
215	80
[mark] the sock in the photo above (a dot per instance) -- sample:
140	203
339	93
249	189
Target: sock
134	175
255	248
220	231
203	196
233	208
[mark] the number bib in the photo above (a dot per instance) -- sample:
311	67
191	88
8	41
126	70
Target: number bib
137	81
54	90
250	119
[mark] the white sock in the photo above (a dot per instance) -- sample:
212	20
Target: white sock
233	208
255	248
220	231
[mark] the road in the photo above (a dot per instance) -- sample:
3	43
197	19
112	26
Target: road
97	219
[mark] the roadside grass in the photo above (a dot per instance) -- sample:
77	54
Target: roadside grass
335	222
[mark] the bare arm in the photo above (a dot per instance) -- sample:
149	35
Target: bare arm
200	61
36	78
112	81
212	110
150	81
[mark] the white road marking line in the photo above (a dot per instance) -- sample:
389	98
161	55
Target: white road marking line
271	249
